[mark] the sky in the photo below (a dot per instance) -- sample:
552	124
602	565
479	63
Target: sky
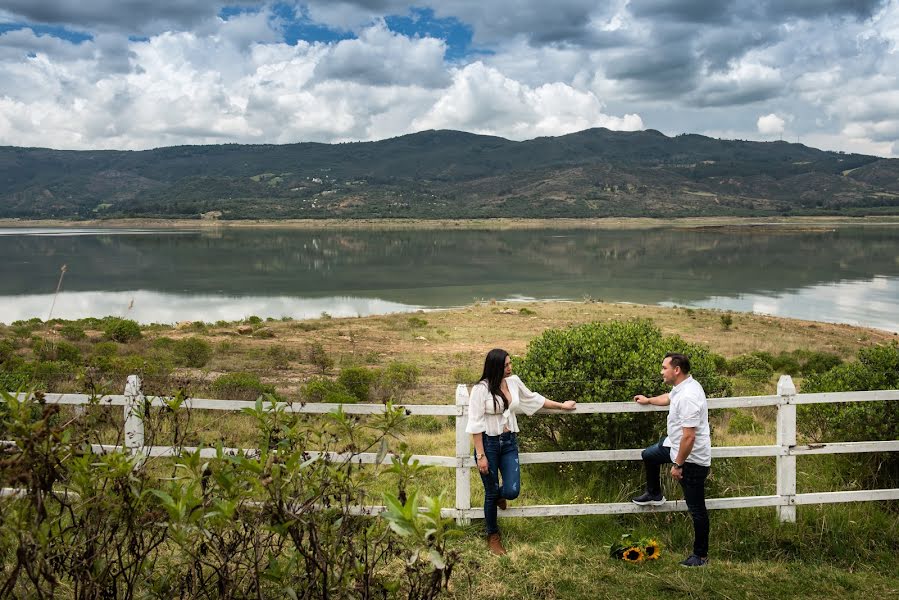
137	74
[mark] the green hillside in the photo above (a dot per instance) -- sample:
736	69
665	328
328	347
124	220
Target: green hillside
450	174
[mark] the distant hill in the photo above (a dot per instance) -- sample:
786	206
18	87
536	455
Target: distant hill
450	174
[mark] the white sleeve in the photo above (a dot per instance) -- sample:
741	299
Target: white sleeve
529	402
476	400
691	411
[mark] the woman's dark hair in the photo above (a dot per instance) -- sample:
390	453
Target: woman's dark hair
494	369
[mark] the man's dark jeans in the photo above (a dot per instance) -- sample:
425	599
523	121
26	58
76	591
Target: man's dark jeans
693	484
502	457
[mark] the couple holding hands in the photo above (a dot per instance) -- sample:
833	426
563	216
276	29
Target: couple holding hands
499	396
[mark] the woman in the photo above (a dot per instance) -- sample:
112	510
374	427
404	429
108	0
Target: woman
492	406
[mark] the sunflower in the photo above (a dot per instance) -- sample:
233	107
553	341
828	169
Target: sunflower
634	554
652	550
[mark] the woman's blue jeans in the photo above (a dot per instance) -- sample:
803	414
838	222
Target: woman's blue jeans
502	458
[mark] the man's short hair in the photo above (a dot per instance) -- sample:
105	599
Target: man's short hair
679	360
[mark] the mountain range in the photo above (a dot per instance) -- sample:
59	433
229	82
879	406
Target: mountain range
450	174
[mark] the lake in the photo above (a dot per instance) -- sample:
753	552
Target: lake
846	274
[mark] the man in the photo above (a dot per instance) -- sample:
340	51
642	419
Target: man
688	445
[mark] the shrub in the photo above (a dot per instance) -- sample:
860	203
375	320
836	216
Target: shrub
254	320
877	368
820	362
319	357
358	381
72	332
606	362
122	330
395	380
750	366
49	350
264	333
415	322
192	352
726	321
279	357
240	386
321	389
742	422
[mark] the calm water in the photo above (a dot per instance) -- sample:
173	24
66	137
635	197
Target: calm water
844	274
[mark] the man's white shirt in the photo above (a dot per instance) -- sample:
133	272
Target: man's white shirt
688	408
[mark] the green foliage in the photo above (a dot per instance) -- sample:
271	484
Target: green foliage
123	331
264	333
742	422
279	357
877	368
322	389
72	332
318	356
270	525
726	321
416	322
240	386
49	350
395	381
606	362
751	367
254	320
819	362
358	381
192	352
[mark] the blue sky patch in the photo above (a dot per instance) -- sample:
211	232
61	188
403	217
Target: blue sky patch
421	22
76	37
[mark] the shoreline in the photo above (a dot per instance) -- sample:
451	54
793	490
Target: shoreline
462	224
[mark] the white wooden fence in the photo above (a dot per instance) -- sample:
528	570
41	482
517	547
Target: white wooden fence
785	449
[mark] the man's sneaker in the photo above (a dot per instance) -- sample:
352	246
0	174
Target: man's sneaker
648	499
694	561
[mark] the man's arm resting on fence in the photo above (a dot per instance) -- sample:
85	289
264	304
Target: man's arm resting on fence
662	400
683	451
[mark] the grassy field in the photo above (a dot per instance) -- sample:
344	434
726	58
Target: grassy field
847	551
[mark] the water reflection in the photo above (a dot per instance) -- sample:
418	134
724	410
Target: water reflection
155	307
836	272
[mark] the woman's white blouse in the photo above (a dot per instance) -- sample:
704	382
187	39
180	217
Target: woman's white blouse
485	416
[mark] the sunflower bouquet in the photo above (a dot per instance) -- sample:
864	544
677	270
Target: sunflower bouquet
635	551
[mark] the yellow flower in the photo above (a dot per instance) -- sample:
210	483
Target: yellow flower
633	555
652	550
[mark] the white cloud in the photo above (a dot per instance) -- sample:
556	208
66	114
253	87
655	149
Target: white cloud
770	125
483	100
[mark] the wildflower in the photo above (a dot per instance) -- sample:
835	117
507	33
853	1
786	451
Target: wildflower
652	549
634	554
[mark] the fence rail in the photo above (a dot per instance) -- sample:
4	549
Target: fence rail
785	450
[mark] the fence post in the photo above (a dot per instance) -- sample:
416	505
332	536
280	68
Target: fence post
134	419
463	444
786	439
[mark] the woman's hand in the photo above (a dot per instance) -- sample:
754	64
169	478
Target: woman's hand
483	465
569	405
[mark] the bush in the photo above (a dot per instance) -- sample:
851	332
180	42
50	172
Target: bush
319	357
321	389
123	331
877	369
606	362
48	350
750	366
416	322
395	380
192	352
279	357
358	382
820	362
72	332
240	386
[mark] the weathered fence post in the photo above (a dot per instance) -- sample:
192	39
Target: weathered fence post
786	439
134	419
463	444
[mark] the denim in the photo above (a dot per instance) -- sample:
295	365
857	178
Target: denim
693	484
502	458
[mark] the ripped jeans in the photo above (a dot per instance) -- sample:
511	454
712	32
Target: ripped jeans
502	458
